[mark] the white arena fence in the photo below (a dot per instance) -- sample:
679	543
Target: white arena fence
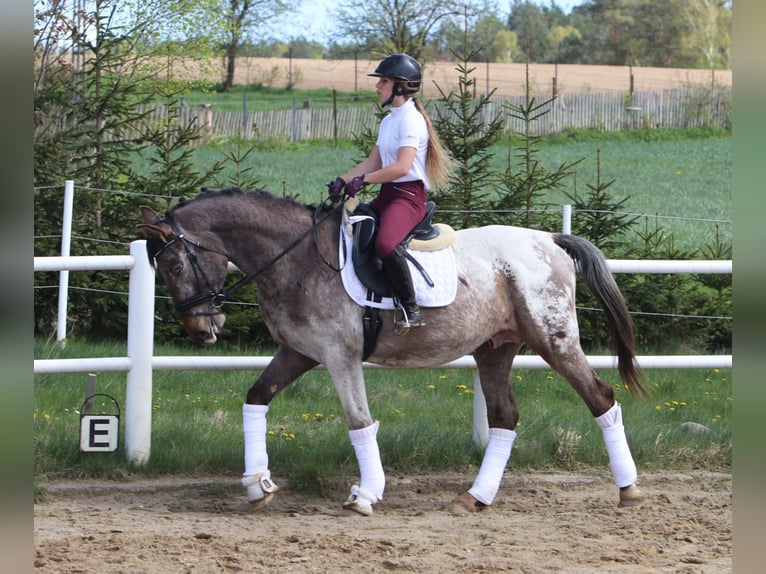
140	361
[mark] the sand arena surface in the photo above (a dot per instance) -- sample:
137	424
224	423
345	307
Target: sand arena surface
566	523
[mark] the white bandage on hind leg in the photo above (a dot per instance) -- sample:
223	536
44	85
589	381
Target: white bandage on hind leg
493	464
365	443
620	459
254	427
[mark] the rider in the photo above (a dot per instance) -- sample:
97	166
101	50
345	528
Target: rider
407	159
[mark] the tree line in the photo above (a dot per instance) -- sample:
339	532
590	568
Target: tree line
650	33
670	33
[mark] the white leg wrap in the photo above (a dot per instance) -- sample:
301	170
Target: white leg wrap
365	443
496	456
254	427
620	459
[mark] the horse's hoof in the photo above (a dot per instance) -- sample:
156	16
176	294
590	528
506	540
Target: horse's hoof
631	496
260	504
360	501
467	503
260	490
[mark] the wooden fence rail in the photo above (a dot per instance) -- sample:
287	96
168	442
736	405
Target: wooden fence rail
612	111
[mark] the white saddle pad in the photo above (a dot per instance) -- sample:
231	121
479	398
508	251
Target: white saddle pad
439	264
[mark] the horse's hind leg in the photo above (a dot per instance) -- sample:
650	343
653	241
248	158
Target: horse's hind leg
494	366
286	366
599	396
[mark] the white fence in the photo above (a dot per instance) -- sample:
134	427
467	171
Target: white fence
610	111
140	361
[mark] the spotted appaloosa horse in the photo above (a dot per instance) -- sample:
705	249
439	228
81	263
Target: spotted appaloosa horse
515	287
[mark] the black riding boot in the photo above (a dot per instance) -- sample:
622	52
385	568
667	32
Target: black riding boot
398	273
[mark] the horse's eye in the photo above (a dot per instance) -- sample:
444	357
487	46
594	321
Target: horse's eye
177	268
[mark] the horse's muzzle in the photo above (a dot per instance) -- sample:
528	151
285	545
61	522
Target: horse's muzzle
204	329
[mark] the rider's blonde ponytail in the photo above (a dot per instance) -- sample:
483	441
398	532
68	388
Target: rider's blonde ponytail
438	161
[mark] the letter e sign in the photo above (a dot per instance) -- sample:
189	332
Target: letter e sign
99	433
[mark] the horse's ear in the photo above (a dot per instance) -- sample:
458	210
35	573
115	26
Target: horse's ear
154	226
150	216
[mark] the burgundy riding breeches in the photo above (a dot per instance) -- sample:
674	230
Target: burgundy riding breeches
400	206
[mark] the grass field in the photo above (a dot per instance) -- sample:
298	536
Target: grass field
683	185
426	422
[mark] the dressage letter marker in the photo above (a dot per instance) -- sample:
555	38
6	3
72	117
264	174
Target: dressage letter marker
98	433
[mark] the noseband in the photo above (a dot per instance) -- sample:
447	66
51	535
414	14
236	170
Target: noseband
214	297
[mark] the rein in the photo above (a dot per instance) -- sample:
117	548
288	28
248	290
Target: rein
216	298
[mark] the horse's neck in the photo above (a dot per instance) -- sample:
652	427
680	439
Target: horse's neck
260	239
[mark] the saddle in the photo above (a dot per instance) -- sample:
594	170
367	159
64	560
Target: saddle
362	225
425	236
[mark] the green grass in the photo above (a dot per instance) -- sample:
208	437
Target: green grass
426	422
257	98
672	178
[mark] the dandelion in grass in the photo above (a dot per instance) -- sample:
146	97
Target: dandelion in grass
305	416
271	433
399	413
430	387
318	416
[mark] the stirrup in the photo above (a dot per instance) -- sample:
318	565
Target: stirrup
402	326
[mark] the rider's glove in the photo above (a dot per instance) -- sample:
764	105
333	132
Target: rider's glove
335	188
355	185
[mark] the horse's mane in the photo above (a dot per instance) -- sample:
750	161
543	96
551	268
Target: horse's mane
236	192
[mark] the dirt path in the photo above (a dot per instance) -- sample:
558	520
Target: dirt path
539	523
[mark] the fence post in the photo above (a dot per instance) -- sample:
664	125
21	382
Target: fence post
566	226
66	243
138	396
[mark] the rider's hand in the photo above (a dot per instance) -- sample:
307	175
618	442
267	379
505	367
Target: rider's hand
335	188
355	185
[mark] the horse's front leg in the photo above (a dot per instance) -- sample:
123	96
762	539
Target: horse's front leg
348	378
494	366
286	366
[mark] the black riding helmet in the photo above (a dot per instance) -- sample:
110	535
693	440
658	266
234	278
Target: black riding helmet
403	68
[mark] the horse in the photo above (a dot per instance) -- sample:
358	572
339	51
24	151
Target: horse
515	288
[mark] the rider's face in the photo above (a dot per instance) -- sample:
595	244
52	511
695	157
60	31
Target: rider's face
384	88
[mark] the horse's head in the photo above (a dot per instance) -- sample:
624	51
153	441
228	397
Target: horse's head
194	274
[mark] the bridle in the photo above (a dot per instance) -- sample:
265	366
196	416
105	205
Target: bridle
215	298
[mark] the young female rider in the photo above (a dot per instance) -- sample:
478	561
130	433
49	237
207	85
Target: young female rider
406	160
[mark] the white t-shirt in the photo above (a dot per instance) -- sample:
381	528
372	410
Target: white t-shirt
405	126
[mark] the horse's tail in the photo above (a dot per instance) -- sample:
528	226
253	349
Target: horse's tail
591	264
